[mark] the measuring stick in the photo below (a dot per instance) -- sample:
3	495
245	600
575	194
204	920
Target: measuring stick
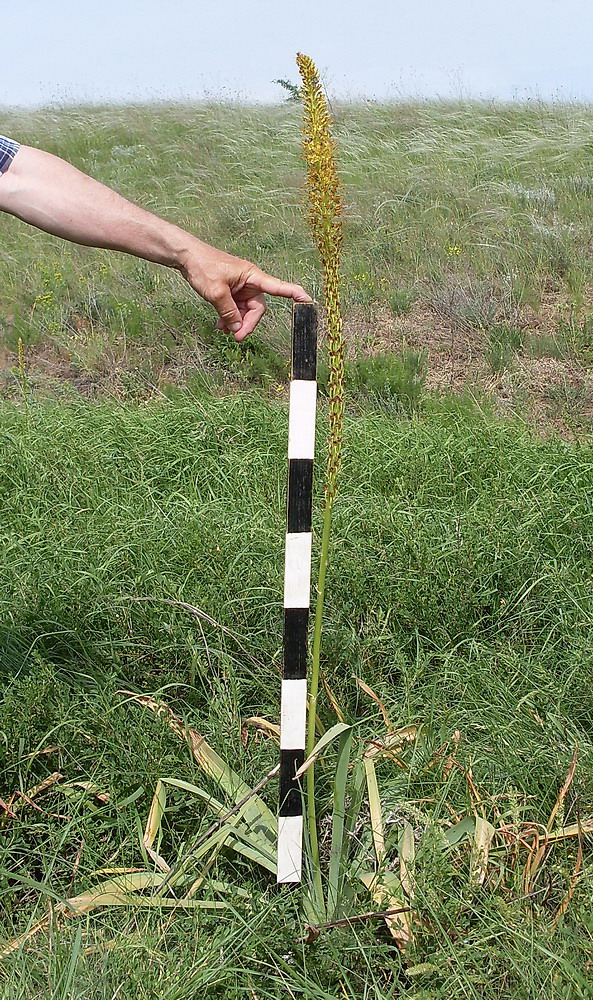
297	587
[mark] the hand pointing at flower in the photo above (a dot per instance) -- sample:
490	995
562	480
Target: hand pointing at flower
235	287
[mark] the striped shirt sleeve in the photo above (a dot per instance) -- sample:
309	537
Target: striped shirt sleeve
8	148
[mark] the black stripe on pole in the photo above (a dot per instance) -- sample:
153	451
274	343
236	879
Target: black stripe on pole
300	494
296	650
291	801
304	341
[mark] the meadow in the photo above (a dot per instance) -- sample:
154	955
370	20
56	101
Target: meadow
142	475
468	230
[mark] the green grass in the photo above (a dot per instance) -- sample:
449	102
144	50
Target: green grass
473	210
460	585
460	589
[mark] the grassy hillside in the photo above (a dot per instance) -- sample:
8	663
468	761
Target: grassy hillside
460	590
142	548
468	242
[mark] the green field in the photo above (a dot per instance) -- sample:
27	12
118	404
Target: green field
468	230
460	591
142	476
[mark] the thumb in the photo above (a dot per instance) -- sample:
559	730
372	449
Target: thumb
227	309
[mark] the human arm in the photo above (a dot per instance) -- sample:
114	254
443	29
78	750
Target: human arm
51	194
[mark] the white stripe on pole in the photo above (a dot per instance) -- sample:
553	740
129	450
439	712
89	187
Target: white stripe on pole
297	569
301	419
293	717
290	839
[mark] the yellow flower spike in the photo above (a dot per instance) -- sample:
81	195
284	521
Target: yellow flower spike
325	216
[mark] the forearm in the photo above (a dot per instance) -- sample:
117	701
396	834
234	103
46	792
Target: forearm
52	195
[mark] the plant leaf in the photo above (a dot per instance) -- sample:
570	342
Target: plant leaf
153	825
377	829
338	846
357	785
215	805
220	810
326	739
461	831
257	814
241	842
483	834
407	857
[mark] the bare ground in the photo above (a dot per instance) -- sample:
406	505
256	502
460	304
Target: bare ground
554	393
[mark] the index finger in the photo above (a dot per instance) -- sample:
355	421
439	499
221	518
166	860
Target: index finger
273	286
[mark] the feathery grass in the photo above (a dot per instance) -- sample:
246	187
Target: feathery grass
461	217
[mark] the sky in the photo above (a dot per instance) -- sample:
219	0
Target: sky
72	51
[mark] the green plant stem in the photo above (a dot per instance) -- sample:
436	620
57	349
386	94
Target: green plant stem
313	691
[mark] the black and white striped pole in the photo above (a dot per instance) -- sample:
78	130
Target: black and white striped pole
297	587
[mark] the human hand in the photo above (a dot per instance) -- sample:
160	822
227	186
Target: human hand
235	287
50	193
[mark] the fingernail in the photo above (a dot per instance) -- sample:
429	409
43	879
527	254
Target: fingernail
235	327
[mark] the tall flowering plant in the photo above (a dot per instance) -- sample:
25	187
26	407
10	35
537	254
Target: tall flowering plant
325	217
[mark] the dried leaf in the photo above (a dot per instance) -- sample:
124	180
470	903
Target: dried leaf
368	690
386	891
393	741
450	759
534	859
572	886
7	810
19	799
40	753
332	698
483	834
264	726
377	828
573	830
18	942
43	786
539	848
87	786
86	903
153	825
115	892
562	793
407	858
